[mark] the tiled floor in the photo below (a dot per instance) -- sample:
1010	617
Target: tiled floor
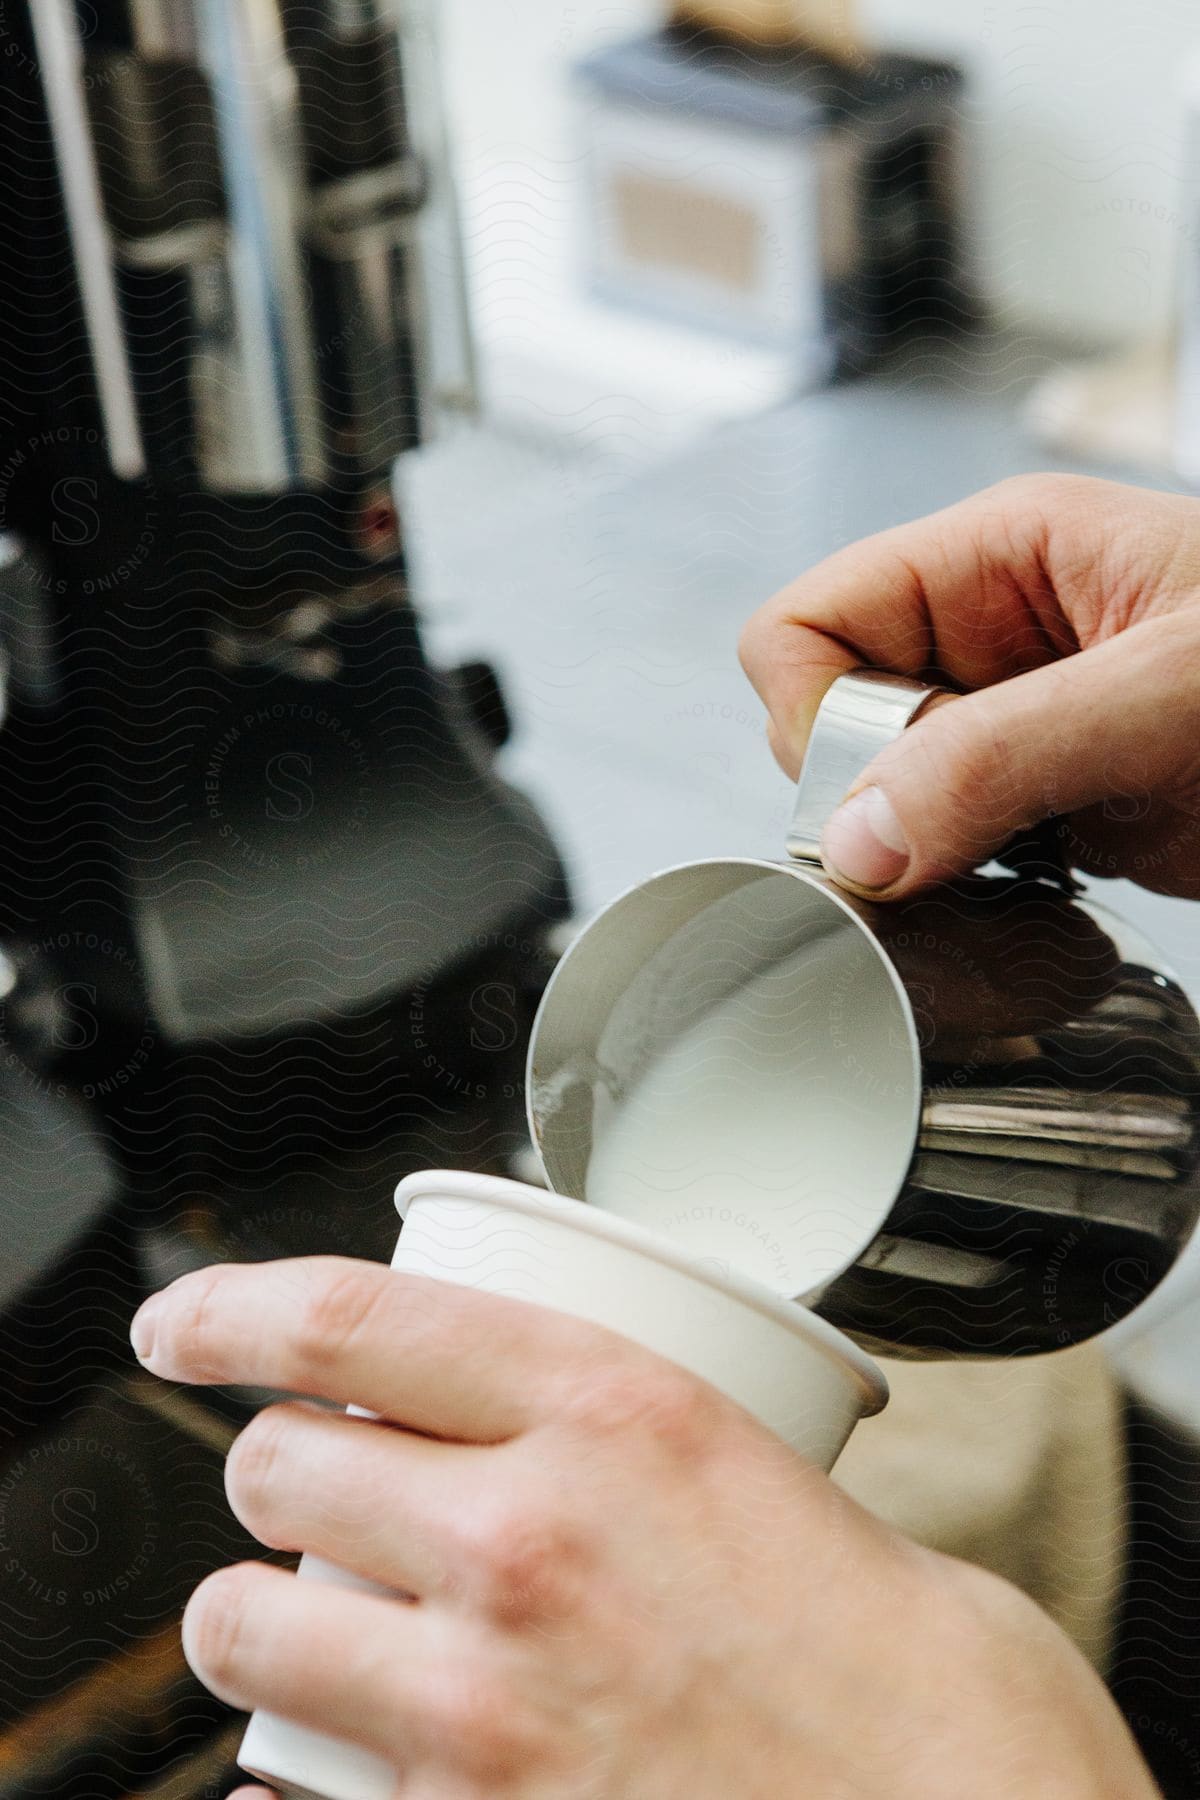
610	595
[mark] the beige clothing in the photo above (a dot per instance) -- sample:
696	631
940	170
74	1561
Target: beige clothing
1017	1466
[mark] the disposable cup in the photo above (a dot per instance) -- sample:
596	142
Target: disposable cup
794	1373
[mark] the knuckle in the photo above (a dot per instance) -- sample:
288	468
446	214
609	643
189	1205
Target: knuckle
980	786
1036	510
216	1627
526	1563
487	1727
334	1314
1048	489
751	647
254	1468
495	1743
655	1400
951	781
432	1323
766	633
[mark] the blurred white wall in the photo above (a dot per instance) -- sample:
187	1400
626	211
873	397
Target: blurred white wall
1074	122
514	140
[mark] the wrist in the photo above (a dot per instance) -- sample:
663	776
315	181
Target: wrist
1050	1726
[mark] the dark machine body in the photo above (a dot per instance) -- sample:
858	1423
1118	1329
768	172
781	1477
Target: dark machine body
272	929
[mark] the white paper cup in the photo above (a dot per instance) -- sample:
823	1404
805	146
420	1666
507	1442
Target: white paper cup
797	1375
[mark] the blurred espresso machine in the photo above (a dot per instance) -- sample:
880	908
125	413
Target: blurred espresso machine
272	928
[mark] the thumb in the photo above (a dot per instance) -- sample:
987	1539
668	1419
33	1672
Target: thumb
1121	719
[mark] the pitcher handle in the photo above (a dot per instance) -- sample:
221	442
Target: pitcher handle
862	713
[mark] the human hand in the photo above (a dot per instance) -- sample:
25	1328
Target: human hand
1070	611
623	1586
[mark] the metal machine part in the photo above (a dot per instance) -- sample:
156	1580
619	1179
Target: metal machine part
1033	1072
203	596
242	192
273	925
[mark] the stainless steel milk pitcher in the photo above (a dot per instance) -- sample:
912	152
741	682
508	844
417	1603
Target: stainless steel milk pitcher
1025	1075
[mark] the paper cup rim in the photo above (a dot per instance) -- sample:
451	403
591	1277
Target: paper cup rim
516	1196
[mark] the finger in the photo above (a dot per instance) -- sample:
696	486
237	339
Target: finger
961	594
793	671
405	1682
385	1504
428	1354
253	1793
1119	719
1155	842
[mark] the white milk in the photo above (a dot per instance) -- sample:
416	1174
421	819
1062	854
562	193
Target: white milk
771	1135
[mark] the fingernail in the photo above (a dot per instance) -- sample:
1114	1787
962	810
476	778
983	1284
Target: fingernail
864	842
141	1332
